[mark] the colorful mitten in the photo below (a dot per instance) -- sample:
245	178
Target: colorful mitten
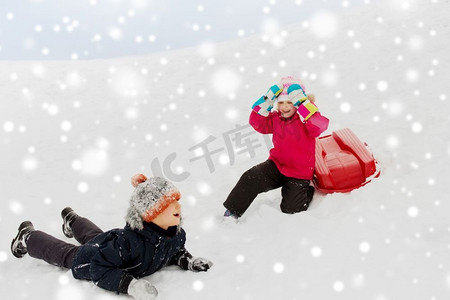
264	105
296	94
307	109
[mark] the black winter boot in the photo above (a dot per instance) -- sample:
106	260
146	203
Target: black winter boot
68	215
19	243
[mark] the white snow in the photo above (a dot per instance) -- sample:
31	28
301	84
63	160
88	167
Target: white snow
74	132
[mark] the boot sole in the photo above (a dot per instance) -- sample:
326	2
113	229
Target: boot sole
20	253
64	213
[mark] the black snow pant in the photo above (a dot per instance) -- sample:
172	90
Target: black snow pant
296	193
59	253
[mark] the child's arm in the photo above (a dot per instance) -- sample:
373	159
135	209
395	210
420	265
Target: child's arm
264	105
314	122
261	124
184	260
304	103
261	117
109	267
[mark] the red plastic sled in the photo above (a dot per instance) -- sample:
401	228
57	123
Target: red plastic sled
343	163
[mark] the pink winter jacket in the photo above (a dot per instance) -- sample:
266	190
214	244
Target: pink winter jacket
294	142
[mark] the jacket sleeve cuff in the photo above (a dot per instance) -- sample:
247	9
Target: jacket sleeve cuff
307	109
262	106
124	283
182	259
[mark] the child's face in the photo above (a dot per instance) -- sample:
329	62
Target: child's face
171	216
286	108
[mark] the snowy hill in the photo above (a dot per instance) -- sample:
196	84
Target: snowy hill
74	132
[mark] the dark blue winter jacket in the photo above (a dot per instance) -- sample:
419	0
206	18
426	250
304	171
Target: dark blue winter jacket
112	259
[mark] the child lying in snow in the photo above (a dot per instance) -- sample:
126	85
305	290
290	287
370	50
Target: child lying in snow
290	166
116	259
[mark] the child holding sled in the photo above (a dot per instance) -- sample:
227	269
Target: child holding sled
117	259
295	126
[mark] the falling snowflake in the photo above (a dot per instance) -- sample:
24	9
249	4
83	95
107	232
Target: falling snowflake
16	207
392	141
382	86
345	107
204	188
278	268
198	285
338	286
240	258
416	127
93	162
66	126
413	212
364	247
115	33
324	25
225	81
316	251
83	187
8	126
29	164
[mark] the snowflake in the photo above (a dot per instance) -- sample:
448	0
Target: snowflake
8	126
16	207
278	268
29	164
338	286
198	285
240	258
382	86
324	25
204	188
83	187
416	127
413	212
316	251
225	81
364	247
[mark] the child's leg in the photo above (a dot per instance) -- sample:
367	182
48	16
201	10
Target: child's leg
297	194
56	252
84	230
261	178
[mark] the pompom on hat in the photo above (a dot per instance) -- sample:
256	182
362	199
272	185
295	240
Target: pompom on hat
150	198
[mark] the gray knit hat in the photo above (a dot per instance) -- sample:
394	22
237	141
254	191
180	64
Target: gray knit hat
151	197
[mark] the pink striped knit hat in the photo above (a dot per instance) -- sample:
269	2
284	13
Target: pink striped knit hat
286	82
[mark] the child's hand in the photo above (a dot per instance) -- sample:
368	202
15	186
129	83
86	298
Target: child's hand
198	264
264	105
142	290
296	94
273	92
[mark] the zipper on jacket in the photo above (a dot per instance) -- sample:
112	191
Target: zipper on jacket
133	266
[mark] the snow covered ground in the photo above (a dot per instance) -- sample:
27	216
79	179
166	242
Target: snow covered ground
74	132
